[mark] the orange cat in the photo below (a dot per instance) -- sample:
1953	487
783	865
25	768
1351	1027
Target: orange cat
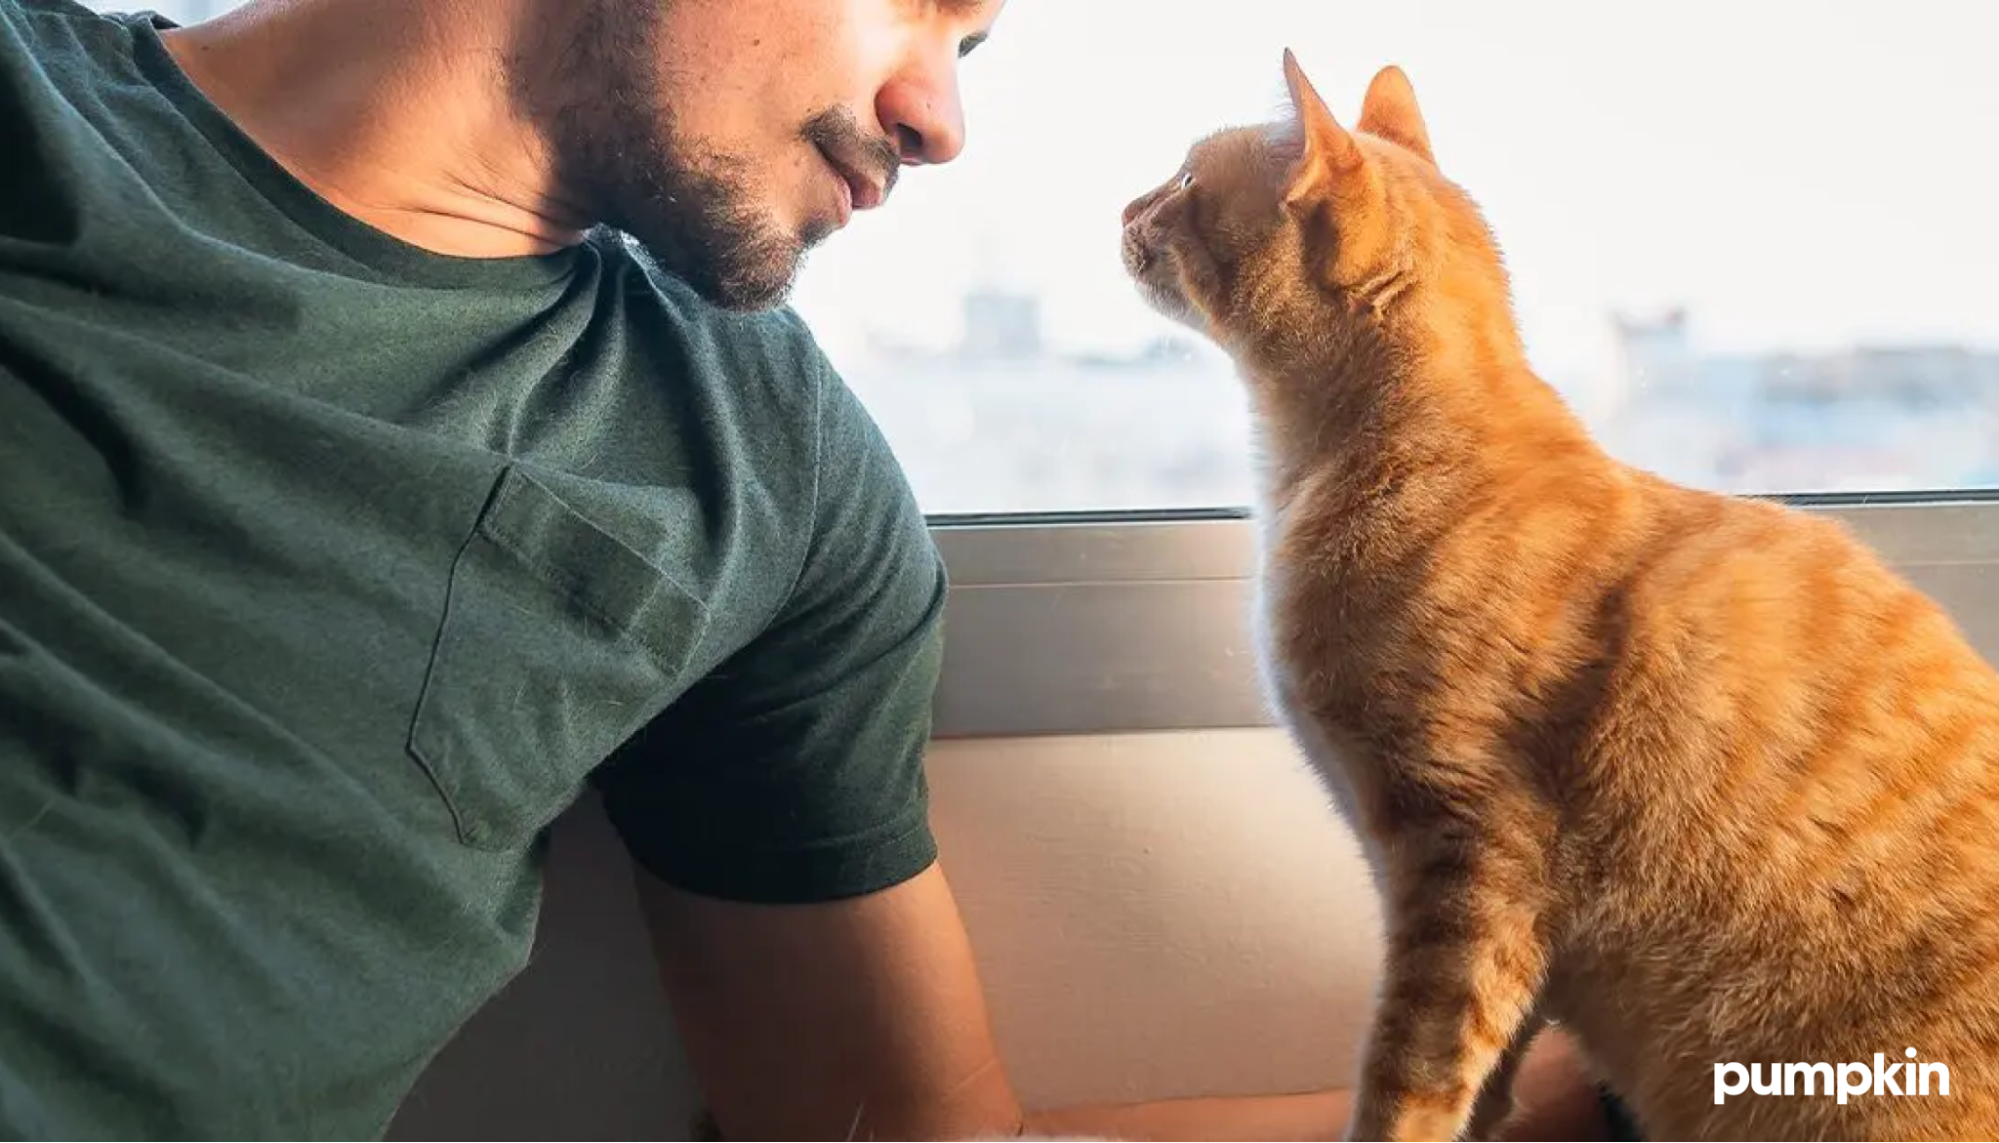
1695	775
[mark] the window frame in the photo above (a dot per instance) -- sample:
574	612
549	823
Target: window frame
1108	623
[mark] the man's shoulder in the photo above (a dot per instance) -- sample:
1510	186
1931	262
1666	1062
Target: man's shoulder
797	770
45	24
779	414
764	370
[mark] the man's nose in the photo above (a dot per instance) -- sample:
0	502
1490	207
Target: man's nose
927	116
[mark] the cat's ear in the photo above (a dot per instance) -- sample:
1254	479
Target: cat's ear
1330	151
1390	111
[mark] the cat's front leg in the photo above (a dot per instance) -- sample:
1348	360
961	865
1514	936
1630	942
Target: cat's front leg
1465	964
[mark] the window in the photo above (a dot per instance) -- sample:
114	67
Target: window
179	11
1751	244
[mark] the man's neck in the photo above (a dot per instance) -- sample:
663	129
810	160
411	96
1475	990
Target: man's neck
399	113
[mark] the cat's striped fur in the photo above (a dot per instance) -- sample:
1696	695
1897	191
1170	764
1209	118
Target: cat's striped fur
1698	775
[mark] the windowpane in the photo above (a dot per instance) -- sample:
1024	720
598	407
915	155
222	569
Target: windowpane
179	11
1751	243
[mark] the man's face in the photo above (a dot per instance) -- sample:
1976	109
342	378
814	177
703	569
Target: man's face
730	136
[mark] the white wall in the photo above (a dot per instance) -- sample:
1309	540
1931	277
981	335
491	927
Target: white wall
1155	915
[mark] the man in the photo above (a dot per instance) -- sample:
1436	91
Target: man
368	495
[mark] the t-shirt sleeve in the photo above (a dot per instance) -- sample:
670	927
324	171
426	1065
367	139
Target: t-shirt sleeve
794	773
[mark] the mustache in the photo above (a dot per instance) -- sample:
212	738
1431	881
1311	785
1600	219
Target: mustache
836	132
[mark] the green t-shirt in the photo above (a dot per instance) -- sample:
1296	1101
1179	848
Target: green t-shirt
332	571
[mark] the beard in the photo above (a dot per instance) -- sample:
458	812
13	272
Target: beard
699	218
696	211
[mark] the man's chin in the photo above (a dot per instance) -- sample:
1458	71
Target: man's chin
760	281
748	278
747	295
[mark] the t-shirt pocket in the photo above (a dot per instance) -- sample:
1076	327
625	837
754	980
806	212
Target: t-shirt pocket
558	643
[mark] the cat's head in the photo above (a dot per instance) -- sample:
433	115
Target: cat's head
1268	231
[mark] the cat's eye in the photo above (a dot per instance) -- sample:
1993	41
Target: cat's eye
1186	180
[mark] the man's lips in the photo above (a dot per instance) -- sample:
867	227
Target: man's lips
864	192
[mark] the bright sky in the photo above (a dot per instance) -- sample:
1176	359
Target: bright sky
1800	173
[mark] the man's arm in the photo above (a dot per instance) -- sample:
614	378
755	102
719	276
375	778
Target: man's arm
854	1019
865	1019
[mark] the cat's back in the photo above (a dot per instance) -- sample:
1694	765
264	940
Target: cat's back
1791	813
1784	703
1789	641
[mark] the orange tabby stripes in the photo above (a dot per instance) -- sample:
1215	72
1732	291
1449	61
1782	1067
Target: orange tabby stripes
1698	776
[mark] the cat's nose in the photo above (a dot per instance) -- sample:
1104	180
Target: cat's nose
1134	208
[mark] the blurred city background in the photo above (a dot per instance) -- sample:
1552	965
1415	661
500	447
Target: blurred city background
1752	244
